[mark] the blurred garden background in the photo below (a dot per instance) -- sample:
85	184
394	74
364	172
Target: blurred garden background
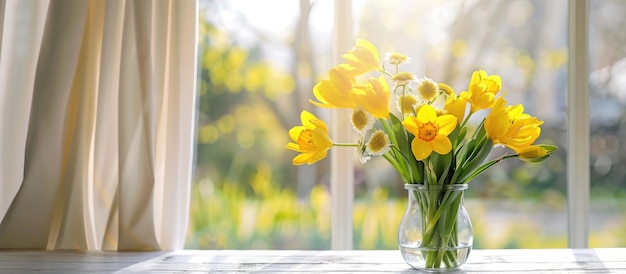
259	60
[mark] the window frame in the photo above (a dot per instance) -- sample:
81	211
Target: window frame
578	175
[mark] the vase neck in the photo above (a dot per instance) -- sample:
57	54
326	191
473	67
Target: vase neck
454	187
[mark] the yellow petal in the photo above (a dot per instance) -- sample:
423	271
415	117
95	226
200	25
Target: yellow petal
294	132
515	111
362	58
321	139
306	117
366	53
293	146
412	125
319	125
446	124
482	90
421	149
441	144
335	91
456	106
311	139
426	114
302	158
309	157
374	97
497	124
536	153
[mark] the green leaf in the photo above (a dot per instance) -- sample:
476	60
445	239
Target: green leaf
469	167
461	159
417	167
400	135
480	131
460	137
463	152
484	168
402	140
441	165
431	177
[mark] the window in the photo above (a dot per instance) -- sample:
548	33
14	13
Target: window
258	69
607	98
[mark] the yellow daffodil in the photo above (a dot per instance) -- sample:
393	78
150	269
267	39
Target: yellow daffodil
430	131
362	58
511	127
482	90
335	92
311	139
373	97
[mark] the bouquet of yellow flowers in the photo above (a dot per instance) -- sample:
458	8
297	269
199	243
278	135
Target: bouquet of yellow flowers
427	139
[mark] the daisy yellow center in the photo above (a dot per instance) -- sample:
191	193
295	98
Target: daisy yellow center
378	142
403	78
428	132
359	119
406	103
397	58
305	140
447	89
428	89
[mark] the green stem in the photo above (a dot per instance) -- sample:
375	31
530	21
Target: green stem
383	71
441	212
345	145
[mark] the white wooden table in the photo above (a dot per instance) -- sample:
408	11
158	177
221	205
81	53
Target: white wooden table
610	260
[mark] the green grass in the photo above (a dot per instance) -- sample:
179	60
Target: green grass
225	218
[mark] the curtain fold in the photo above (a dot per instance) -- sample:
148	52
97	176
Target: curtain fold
98	134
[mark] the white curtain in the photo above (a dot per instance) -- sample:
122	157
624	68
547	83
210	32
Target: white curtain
97	104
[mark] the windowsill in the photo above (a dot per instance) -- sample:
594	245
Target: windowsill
599	260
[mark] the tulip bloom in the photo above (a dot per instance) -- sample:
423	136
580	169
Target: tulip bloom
335	92
511	127
456	105
373	97
362	58
482	90
536	153
311	139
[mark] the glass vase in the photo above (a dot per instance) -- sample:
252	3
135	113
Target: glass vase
435	233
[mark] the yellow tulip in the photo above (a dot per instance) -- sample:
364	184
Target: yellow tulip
430	131
373	97
482	90
362	58
335	92
311	139
511	127
536	153
456	105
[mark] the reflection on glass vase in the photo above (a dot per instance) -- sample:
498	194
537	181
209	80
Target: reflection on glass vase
436	232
